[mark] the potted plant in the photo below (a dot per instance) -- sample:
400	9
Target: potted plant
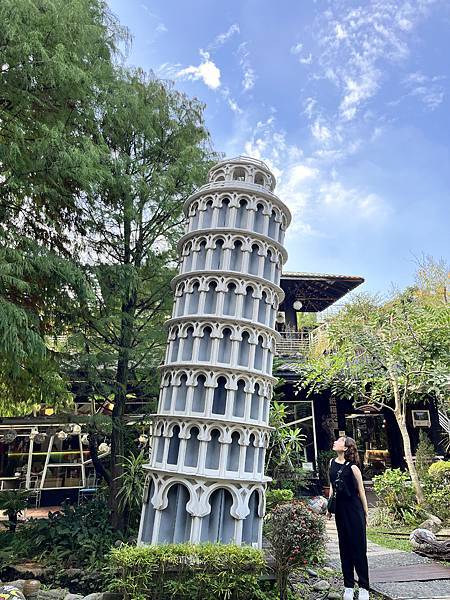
13	503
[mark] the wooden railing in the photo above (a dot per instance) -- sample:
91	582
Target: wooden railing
299	343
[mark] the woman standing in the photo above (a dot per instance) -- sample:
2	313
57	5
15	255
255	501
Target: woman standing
350	507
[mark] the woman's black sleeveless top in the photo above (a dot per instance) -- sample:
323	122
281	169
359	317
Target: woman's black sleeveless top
346	476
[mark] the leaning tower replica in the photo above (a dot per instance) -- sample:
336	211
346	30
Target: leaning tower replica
205	481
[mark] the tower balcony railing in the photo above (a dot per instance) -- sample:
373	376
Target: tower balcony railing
242	184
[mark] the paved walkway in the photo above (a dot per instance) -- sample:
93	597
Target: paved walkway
382	562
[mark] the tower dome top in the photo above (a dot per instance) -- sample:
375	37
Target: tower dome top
243	168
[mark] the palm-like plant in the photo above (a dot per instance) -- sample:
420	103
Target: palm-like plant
13	503
131	486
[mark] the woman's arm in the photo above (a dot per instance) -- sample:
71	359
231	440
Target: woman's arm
361	490
329	515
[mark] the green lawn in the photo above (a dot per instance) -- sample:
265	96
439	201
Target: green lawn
388	540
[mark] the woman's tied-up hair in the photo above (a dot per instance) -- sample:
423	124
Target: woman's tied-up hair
351	451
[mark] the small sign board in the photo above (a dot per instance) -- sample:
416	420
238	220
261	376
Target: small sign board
421	418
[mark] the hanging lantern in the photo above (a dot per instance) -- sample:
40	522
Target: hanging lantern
61	435
40	437
281	317
103	448
9	436
76	429
85	439
298	305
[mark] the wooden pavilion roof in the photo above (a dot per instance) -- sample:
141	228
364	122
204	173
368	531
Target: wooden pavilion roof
316	291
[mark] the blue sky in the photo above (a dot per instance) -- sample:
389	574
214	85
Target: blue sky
348	102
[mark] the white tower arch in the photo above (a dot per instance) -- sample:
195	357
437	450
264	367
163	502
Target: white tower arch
205	481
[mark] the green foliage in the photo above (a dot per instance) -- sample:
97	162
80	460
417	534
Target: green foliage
56	62
13	503
296	535
158	154
437	489
296	480
185	571
425	453
440	469
389	354
38	292
286	444
275	497
323	462
73	537
132	486
396	496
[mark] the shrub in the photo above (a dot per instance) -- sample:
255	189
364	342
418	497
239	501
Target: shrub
75	536
275	497
296	535
323	464
395	493
187	572
424	454
436	488
440	469
297	480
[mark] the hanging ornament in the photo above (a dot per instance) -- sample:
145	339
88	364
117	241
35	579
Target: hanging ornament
76	429
103	448
40	437
61	435
9	436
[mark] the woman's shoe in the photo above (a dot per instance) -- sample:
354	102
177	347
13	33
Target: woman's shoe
348	594
363	594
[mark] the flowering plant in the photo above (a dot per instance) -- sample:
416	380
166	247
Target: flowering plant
297	537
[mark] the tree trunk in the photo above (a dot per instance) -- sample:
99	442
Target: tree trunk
128	312
12	521
400	415
409	459
117	443
99	467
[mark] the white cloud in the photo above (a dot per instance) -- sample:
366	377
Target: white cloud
306	60
309	105
351	201
161	28
299	173
341	34
297	50
320	132
231	101
358	42
428	90
311	185
224	37
249	75
356	91
207	71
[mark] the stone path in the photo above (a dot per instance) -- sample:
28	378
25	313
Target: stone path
384	559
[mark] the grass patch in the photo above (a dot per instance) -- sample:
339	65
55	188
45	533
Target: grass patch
388	540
